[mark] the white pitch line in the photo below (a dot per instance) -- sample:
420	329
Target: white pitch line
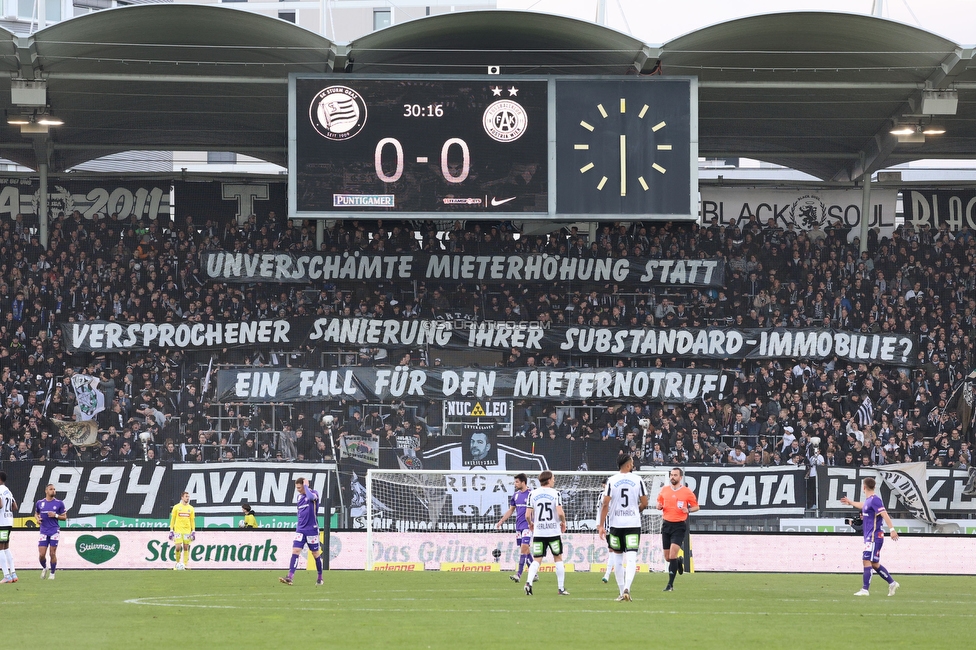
610	609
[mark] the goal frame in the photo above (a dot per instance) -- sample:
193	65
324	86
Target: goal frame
658	478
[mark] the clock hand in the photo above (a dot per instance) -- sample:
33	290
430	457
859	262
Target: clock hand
623	165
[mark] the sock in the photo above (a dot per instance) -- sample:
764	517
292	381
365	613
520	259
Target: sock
318	565
672	571
3	563
606	575
560	574
54	567
883	572
867	578
186	556
618	571
43	562
630	568
522	560
292	565
533	570
10	562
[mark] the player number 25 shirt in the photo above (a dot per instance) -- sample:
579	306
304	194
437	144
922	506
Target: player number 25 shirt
544	502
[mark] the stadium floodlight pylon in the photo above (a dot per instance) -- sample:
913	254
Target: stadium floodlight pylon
471	501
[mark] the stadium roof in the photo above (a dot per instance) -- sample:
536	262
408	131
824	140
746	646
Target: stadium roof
817	92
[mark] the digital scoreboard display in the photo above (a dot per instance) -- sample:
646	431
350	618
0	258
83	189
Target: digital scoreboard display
420	145
486	147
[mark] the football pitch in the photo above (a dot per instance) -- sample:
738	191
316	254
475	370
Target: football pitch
355	609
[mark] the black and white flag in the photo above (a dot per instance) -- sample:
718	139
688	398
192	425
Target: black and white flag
865	414
907	481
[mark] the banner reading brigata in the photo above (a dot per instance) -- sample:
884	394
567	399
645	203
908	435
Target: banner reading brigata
406	267
530	336
360	384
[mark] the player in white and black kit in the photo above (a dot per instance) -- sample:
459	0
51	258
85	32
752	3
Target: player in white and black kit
624	498
547	522
7	507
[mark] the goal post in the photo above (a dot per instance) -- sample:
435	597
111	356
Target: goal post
402	503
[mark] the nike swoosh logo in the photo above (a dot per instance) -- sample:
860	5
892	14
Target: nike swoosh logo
496	202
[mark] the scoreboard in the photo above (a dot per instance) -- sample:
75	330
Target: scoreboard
489	146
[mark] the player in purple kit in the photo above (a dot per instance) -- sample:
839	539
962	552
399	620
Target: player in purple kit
307	531
873	513
517	504
50	513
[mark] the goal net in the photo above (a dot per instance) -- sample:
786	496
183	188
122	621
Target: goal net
400	502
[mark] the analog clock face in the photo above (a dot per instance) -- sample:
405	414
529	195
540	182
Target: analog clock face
623	148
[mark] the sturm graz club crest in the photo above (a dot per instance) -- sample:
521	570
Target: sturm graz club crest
337	113
808	211
505	120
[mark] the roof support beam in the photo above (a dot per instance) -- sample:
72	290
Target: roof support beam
341	59
882	144
647	60
27	55
761	155
142	146
167	78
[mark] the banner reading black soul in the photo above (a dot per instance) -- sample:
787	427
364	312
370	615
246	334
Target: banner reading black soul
474	500
340	333
360	384
222	266
149	490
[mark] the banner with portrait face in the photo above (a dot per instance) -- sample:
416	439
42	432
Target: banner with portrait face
479	447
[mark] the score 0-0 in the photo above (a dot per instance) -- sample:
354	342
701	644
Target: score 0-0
450	174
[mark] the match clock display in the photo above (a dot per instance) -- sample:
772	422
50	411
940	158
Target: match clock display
626	147
468	146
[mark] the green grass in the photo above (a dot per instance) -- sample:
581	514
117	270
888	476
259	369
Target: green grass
250	609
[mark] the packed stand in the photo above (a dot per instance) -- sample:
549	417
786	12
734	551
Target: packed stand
918	282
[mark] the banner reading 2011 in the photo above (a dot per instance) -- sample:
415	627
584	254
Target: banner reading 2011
116	200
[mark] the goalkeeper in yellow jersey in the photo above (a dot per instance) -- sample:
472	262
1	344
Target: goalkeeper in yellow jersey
182	530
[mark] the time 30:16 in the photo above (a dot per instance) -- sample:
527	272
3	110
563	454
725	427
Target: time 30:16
418	110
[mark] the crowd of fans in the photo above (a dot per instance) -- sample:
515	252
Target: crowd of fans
915	281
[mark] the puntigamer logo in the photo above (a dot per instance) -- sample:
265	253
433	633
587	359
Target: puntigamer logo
97	550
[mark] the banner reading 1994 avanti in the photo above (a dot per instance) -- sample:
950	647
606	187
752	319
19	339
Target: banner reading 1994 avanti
529	336
406	267
361	384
